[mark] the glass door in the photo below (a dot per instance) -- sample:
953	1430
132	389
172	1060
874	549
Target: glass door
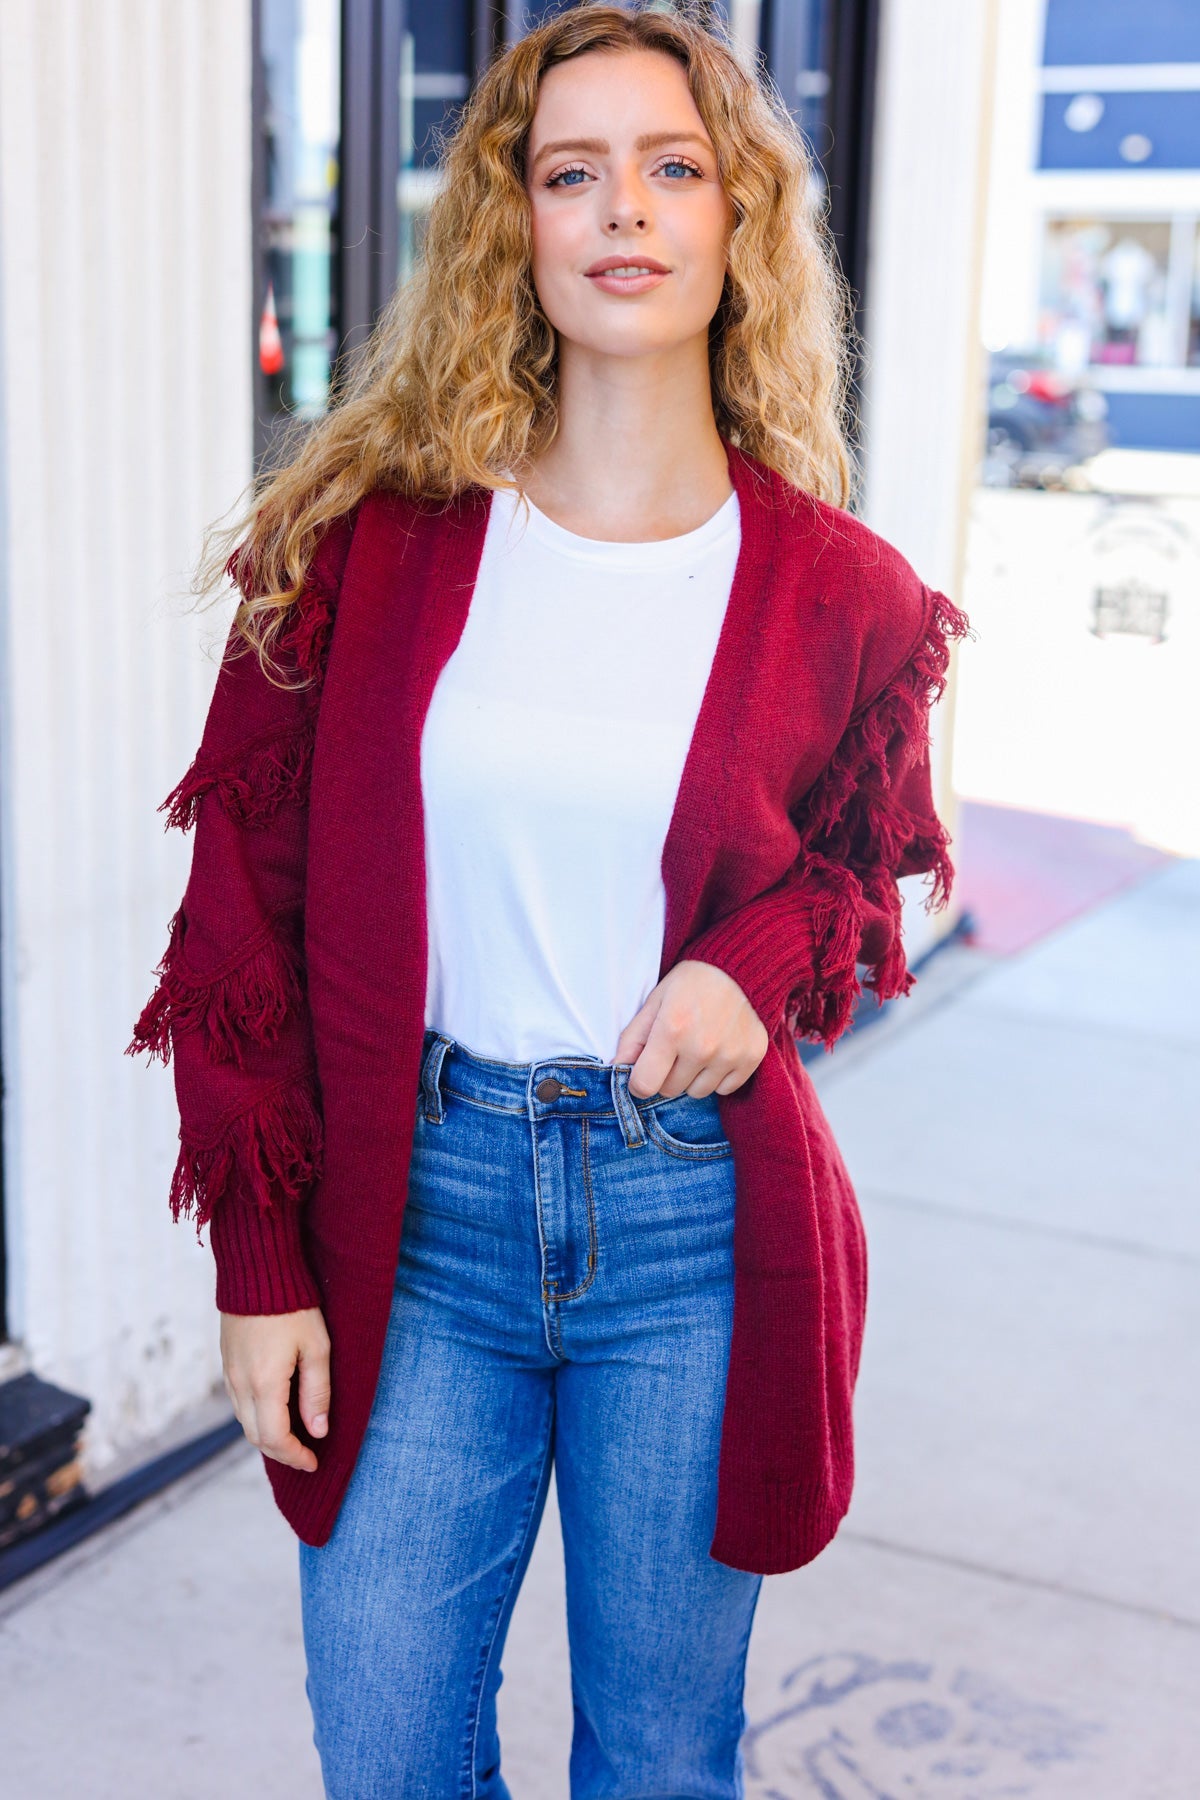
297	182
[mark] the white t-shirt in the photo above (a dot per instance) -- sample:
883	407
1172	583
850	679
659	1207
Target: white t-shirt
550	763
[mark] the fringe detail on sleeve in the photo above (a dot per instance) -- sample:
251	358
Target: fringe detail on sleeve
247	997
859	837
254	781
852	803
272	1151
308	628
252	786
307	635
822	1007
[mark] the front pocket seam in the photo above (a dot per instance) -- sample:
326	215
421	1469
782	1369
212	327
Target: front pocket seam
676	1147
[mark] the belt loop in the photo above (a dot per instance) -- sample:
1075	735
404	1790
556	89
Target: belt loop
632	1128
431	1076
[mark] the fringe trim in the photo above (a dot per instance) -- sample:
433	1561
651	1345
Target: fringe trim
246	997
272	1151
854	823
890	978
307	631
852	801
823	1009
251	790
306	636
254	782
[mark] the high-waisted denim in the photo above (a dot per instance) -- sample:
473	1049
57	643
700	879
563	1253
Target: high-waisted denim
564	1295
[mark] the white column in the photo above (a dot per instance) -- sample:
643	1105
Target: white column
922	408
125	374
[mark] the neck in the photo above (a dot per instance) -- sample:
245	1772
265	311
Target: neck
637	454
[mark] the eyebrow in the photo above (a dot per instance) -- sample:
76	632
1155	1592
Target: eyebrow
650	140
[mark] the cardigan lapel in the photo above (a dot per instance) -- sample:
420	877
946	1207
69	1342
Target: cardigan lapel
708	800
405	596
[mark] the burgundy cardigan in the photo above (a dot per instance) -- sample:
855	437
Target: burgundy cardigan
292	989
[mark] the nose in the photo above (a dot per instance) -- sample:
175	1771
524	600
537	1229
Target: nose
628	206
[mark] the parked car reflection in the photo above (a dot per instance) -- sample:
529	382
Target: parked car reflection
1042	424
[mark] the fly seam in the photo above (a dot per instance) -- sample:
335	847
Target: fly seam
591	1219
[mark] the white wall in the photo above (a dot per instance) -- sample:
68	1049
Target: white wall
923	387
124	374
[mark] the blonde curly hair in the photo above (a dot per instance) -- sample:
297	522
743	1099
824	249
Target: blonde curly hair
457	381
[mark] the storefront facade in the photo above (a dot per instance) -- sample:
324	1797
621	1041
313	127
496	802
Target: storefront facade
1094	249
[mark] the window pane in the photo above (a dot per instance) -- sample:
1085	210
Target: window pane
435	80
298	302
1104	291
798	48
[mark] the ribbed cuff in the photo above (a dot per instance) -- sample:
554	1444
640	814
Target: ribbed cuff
765	946
259	1253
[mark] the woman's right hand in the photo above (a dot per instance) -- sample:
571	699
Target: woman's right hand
259	1355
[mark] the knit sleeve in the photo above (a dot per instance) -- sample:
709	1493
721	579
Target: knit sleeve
868	820
230	1006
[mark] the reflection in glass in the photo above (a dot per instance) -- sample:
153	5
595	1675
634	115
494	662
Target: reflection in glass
298	302
796	36
1105	296
435	62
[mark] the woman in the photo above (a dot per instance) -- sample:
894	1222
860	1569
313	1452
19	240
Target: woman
528	838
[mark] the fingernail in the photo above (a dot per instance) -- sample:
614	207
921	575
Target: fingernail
321	1423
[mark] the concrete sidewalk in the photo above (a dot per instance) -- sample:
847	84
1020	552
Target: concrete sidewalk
1012	1606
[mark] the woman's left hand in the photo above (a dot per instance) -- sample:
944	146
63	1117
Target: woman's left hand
696	1033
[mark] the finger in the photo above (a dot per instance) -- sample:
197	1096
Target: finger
652	1069
632	1040
275	1436
314	1390
658	1063
739	1069
694	1072
716	1076
734	1080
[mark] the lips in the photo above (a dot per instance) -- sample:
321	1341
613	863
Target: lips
627	277
641	263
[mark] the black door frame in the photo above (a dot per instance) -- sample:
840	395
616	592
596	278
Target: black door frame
853	75
849	58
372	32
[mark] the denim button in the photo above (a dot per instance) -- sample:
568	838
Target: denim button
549	1088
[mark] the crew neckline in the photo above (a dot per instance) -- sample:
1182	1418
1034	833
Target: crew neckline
540	528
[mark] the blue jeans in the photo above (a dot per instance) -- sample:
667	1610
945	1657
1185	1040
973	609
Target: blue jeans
564	1294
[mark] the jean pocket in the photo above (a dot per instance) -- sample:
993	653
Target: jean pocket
687	1127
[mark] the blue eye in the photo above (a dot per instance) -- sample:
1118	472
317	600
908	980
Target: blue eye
678	162
555	180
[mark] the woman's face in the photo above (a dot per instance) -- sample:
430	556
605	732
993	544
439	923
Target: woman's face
619	167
